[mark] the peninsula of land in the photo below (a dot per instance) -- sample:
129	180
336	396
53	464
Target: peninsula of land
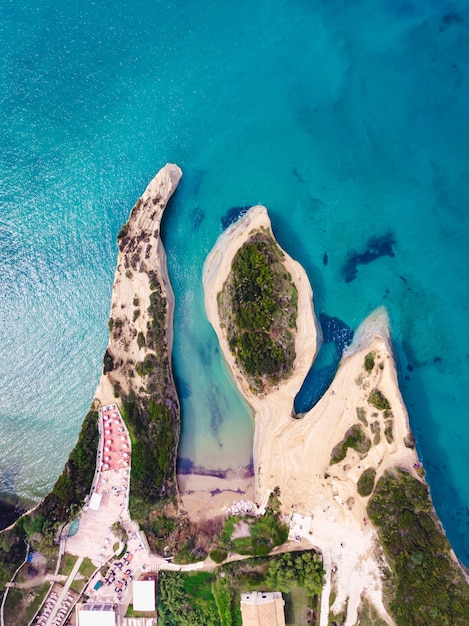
338	493
328	463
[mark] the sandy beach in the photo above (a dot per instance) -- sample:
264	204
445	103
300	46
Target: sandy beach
295	454
205	497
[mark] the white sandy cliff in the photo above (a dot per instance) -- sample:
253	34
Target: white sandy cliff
131	289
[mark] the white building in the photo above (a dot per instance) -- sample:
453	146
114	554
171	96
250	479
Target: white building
97	615
144	595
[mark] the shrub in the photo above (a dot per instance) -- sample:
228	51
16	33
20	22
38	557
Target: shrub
361	414
388	432
218	555
366	482
140	339
377	400
108	362
266	532
369	362
355	438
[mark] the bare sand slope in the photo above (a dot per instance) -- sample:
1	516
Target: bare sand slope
295	454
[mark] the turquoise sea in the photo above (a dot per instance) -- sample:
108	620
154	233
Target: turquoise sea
348	120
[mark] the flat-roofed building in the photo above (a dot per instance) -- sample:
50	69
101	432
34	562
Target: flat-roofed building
260	608
95	501
97	615
143	595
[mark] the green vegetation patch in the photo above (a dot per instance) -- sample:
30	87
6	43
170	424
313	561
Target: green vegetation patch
218	555
67	563
388	432
427	588
377	400
186	600
256	535
369	361
361	414
368	615
366	482
87	568
265	532
72	486
153	431
376	432
303	569
355	438
214	599
258	307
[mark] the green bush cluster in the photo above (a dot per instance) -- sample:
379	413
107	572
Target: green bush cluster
266	532
258	307
361	414
355	438
75	481
366	482
388	431
12	552
218	555
377	400
224	597
141	340
369	362
376	432
186	600
303	569
427	586
151	428
214	599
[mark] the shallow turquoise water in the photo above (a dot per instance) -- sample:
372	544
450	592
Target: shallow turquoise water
347	122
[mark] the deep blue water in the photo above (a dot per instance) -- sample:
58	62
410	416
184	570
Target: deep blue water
349	121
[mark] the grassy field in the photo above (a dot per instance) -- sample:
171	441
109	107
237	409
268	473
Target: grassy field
214	599
296	607
67	563
87	568
21	605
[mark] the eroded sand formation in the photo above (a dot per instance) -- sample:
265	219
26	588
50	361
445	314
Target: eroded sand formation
141	260
295	454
